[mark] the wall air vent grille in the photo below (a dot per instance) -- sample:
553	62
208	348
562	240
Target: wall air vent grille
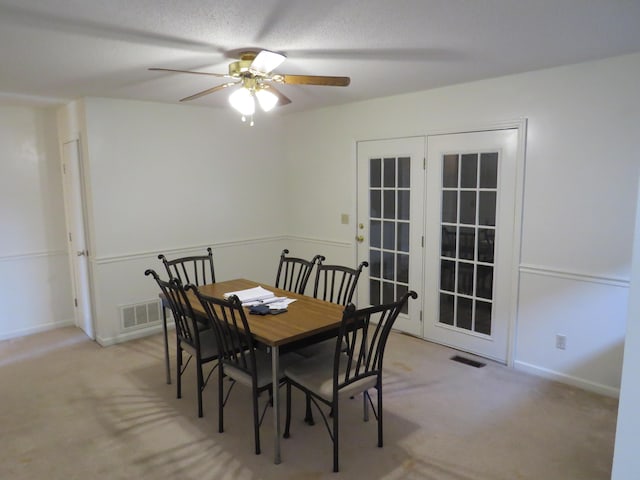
140	314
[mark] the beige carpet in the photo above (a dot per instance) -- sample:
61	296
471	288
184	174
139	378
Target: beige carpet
73	410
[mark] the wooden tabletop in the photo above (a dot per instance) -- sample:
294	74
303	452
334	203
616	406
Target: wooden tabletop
305	317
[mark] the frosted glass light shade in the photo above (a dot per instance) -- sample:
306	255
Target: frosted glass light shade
266	99
242	100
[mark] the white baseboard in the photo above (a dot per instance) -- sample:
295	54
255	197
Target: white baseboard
23	332
133	335
568	379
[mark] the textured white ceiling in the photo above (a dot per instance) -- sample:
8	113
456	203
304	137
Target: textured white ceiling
52	51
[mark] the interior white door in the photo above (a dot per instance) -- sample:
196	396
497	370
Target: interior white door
469	240
78	251
390	224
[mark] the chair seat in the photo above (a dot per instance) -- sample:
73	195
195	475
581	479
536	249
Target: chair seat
208	346
326	347
263	365
316	375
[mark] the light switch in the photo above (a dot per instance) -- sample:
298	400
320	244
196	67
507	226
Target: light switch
344	218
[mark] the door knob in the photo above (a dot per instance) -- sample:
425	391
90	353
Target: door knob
360	238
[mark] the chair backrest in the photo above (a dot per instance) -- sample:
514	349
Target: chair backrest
228	321
336	283
176	297
362	340
195	269
293	273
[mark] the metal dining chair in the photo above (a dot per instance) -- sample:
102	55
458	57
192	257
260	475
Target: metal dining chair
294	272
354	367
199	344
335	284
240	360
195	269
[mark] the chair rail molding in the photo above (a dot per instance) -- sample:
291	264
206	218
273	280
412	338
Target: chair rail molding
183	251
32	255
547	271
319	241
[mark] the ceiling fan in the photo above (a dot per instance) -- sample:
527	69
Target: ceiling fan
254	73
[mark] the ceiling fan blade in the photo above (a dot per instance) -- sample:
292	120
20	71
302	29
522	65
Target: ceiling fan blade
189	71
282	98
208	91
266	62
312	80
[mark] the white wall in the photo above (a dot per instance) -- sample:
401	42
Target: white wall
35	289
579	196
175	179
626	461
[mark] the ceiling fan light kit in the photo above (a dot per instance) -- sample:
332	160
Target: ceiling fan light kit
253	72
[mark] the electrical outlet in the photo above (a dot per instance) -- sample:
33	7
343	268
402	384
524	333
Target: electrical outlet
561	342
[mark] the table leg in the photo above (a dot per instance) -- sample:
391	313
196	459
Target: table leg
275	372
166	344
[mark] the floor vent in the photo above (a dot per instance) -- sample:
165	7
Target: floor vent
467	361
140	314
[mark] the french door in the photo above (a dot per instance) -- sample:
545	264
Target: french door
436	215
390	228
469	258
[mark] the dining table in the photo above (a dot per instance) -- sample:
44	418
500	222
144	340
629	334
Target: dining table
307	320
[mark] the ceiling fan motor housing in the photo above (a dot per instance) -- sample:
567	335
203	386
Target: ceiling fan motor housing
236	69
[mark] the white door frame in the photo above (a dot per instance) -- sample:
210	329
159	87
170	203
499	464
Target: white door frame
77	236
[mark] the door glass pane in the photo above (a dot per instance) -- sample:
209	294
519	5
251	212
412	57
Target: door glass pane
403	237
484	281
450	171
449	206
374	291
448	275
402	274
465	278
486	239
389	204
467	242
483	318
468	232
389	236
464	313
468	207
446	309
448	242
403	204
375	172
374	262
489	170
389	172
375	231
400	291
375	204
487	208
469	170
404	169
388	266
388	292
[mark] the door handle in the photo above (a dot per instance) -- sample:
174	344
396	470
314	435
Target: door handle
83	253
360	238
